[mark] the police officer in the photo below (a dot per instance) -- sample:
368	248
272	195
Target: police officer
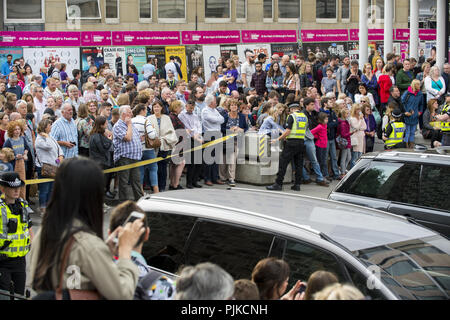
15	233
444	118
293	149
395	131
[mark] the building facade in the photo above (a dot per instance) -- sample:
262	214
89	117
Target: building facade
165	15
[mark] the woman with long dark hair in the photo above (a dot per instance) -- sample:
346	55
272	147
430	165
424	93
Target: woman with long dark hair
274	80
74	217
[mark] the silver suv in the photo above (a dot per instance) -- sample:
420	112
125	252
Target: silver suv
384	255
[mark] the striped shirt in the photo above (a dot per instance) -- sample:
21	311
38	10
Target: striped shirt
139	124
128	149
63	130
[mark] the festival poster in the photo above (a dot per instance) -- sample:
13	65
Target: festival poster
285	48
138	57
92	56
194	55
158	54
15	52
255	48
339	49
353	50
115	57
210	55
179	52
41	57
227	51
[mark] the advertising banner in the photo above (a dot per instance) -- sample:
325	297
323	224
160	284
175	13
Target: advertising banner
268	36
374	35
138	57
95	38
404	50
353	50
41	57
145	38
210	37
256	48
424	34
15	52
115	57
282	49
180	56
228	51
194	58
39	39
328	35
158	54
210	55
91	57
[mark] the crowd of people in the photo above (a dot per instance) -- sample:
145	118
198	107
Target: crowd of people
323	109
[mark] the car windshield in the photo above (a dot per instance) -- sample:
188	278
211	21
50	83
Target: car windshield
415	269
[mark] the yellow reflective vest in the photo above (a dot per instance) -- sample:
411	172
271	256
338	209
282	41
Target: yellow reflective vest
445	125
299	127
396	136
14	243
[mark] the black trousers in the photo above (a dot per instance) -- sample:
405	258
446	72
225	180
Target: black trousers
193	169
12	272
294	149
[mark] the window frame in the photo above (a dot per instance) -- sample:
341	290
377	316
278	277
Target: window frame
381	20
273	12
87	18
245	9
145	20
172	20
219	20
113	20
290	20
349	11
328	20
27	21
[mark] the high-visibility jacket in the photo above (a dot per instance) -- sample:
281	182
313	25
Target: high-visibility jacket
299	127
14	243
445	125
396	136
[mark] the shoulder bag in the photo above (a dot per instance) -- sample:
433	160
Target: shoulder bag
48	170
151	143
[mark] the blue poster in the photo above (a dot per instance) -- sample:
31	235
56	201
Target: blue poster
15	52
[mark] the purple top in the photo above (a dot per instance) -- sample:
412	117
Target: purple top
232	73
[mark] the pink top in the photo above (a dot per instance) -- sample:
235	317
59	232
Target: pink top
320	133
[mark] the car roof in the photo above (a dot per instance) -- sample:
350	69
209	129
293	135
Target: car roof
352	226
439	156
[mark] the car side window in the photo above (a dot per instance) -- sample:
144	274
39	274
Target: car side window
304	259
387	181
236	249
433	193
363	284
168	236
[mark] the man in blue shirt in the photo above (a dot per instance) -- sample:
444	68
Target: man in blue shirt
7	65
148	69
65	132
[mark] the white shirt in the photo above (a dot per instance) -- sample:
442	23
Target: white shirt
40	108
249	70
171	66
211	119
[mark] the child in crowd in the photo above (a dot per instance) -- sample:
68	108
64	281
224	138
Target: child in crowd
6	156
321	138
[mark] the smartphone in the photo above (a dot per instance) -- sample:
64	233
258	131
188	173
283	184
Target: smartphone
132	217
302	288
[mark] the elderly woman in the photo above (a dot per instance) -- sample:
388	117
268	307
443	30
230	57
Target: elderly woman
176	165
371	126
412	99
435	85
357	129
166	133
47	151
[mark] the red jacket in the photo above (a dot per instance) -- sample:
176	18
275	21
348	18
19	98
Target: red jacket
384	84
320	133
343	130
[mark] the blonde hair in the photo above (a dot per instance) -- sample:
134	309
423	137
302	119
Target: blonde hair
415	84
355	106
339	291
342	96
9	154
123	99
174	105
88	86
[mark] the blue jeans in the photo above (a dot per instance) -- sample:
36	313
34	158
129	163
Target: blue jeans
45	189
162	170
310	150
322	158
149	172
410	131
355	156
331	149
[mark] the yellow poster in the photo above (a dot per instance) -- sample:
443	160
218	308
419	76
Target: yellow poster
180	56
